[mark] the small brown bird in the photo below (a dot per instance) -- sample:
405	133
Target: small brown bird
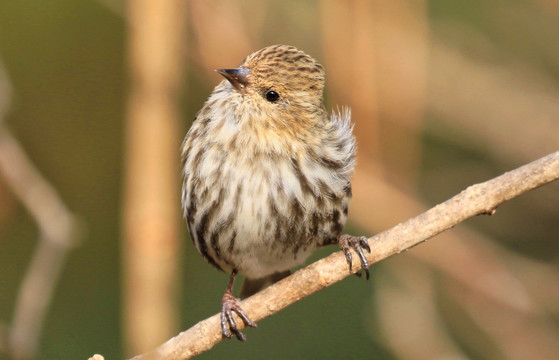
266	173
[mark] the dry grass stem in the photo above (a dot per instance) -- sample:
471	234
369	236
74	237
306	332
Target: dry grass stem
151	215
57	235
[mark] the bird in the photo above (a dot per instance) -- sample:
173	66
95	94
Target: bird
266	174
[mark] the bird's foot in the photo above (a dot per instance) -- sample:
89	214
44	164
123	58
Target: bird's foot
357	243
230	305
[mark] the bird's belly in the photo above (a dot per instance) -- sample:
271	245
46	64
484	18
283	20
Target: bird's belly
260	218
277	222
267	241
259	257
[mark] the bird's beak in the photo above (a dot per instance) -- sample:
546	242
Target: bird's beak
237	77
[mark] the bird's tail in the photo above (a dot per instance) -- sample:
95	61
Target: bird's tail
252	286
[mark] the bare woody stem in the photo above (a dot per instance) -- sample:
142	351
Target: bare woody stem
477	199
59	231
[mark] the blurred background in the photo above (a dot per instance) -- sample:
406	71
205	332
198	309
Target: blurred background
96	96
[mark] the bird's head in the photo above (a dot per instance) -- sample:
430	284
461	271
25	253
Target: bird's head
280	84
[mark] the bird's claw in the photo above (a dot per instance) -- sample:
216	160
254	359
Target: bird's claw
229	306
357	243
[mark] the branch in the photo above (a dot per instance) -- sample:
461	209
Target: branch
476	200
58	232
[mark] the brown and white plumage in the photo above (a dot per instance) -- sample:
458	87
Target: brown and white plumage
266	172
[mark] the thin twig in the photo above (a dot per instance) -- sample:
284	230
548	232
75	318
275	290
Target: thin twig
476	200
57	232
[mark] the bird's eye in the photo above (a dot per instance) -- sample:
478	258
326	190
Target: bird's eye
272	96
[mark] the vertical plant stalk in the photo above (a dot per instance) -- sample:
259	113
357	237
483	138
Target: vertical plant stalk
151	204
